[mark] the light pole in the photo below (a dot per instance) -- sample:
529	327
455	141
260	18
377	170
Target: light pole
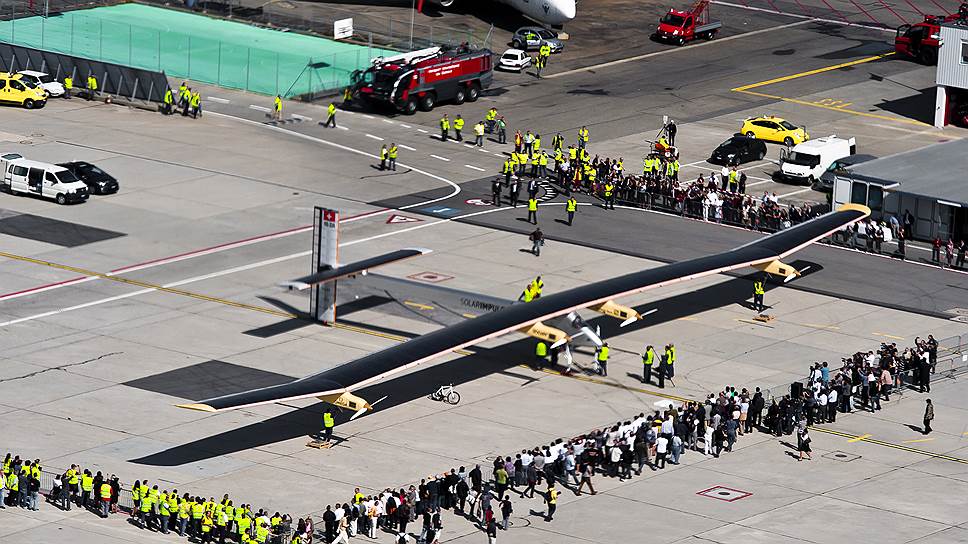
413	13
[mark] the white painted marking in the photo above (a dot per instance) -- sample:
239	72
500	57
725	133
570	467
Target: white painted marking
367	116
794	193
801	16
405	126
407	147
472	167
341	127
388	121
673	50
421	130
303	117
438	157
259	108
374	137
218	100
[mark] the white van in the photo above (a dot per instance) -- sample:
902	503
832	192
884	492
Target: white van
22	176
807	161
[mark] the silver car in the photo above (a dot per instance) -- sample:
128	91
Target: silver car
529	38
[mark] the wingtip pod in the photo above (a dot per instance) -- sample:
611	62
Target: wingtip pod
855	207
422	250
196	406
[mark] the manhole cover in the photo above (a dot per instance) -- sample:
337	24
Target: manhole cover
724	493
841	456
432	277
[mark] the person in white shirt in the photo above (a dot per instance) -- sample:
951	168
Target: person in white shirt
832	405
821	407
661	449
667	427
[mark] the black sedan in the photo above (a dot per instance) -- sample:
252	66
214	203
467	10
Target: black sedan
737	150
97	180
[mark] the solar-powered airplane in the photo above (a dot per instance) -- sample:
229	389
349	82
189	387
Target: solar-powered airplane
552	317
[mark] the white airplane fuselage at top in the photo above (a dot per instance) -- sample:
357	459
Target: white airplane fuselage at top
550	12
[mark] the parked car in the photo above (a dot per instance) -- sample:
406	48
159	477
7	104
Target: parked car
774	129
530	38
98	181
42	80
737	150
15	91
838	168
514	59
26	177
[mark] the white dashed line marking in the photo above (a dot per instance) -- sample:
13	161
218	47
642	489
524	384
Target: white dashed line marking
259	108
374	137
472	167
438	157
407	147
388	121
219	100
341	127
405	126
368	116
421	130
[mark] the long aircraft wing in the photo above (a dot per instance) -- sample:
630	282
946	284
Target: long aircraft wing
376	366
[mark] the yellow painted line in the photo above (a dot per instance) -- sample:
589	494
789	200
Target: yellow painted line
469	316
866	438
812	72
918	440
831	108
885	335
418	305
754	322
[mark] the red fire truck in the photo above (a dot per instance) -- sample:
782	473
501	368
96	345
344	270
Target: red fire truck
680	27
424	78
920	40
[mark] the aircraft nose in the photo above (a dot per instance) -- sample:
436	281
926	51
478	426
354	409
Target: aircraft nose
566	9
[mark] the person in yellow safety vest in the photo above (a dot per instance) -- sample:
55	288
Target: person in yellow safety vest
648	358
552	499
68	86
540	354
243	522
277	108
583	155
73	479
136	496
383	157
527	295
198	510
662	144
620	167
733	180
182	91
602	358
168	103
508	169
535	164
207	524
105	493
544	52
392	156
543	165
91	86
591	175
261	533
571	206
295	540
458	127
572	153
522	162
670	170
347	96
144	512
358	497
330	115
675	169
479	134
609	196
582	137
221	522
670	370
328	424
196	102
184	513
444	127
536	146
230	514
536	286
174	507
164	512
532	211
758	292
557	142
87	486
490	118
559	158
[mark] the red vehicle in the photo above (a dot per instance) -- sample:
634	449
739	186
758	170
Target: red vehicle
920	40
424	78
680	27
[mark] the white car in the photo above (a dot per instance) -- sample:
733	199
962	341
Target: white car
44	81
514	59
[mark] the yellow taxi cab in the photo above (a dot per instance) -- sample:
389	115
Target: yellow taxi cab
774	129
15	91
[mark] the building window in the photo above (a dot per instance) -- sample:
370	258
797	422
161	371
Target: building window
964	52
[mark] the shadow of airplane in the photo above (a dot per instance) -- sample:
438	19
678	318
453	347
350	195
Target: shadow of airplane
483	362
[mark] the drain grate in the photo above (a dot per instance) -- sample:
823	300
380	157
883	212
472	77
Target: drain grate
841	456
